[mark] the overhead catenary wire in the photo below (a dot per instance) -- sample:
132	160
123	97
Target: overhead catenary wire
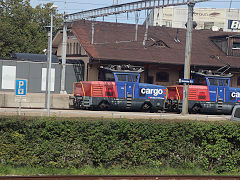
147	14
109	2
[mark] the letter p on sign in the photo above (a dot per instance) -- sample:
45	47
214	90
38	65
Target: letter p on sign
21	87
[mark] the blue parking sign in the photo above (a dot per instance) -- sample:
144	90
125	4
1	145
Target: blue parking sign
21	87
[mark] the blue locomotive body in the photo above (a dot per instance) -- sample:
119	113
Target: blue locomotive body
124	93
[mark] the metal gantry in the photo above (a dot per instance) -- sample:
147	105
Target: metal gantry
125	8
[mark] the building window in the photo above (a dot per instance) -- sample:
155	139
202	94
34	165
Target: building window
70	48
77	47
160	43
238	81
8	77
168	23
208	25
109	77
162	77
236	45
73	48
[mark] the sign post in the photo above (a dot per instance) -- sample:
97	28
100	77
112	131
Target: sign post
234	24
21	90
187	81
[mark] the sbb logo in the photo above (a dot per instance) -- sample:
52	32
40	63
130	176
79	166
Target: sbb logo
154	92
233	24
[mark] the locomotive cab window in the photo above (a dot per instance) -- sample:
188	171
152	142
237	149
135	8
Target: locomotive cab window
213	82
132	78
121	77
220	82
223	82
226	82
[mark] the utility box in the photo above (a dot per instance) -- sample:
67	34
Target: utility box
236	113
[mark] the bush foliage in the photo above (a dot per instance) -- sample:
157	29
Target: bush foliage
69	143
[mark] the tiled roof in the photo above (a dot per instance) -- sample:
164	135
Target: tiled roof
114	41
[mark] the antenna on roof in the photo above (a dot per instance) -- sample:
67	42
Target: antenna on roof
176	37
115	2
146	32
230	6
93	29
65	4
136	20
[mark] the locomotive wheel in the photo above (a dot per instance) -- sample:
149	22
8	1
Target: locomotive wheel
103	106
195	109
146	107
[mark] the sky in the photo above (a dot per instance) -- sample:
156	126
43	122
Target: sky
73	6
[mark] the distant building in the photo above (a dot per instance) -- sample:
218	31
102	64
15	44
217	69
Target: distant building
33	67
206	18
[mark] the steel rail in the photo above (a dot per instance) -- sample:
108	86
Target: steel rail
139	177
125	8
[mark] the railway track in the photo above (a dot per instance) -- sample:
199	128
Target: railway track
113	114
119	177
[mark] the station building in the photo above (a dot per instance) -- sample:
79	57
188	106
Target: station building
91	45
206	18
161	52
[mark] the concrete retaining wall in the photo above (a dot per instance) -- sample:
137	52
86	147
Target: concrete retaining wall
34	100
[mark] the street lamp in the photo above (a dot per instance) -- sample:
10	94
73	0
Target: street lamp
52	8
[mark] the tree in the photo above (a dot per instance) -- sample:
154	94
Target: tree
22	27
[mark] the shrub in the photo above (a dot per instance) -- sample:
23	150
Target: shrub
66	143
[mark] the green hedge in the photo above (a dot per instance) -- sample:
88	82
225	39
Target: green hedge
69	143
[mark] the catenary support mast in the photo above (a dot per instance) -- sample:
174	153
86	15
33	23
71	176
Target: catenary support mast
188	51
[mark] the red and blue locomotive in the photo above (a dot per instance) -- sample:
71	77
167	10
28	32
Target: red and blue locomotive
124	92
211	93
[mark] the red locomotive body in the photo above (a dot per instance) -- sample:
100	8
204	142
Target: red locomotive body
196	93
95	89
